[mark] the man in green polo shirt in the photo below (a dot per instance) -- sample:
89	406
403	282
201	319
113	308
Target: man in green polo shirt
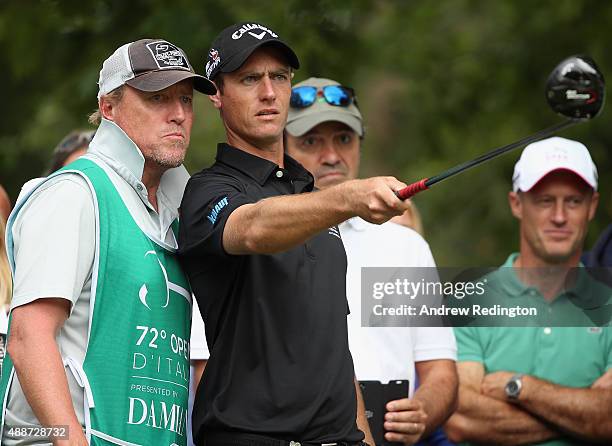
540	385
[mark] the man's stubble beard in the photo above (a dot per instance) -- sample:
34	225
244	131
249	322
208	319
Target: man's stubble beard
170	155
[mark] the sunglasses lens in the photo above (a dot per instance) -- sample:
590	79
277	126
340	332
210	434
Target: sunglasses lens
302	97
338	95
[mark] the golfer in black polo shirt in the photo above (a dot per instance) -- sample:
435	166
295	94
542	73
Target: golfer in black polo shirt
267	265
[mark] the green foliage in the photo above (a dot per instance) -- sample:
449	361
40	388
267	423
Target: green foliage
438	83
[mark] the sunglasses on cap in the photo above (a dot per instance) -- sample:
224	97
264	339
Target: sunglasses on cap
337	95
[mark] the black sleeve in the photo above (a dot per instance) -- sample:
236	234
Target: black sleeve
208	201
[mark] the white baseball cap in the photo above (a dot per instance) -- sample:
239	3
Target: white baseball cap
543	157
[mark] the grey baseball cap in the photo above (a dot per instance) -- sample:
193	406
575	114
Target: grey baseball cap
149	65
302	120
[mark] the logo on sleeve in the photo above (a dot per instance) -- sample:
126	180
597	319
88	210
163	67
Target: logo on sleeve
334	231
167	55
212	217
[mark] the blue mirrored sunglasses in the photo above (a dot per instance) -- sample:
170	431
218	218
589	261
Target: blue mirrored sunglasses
337	95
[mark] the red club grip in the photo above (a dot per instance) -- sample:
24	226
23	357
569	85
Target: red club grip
411	189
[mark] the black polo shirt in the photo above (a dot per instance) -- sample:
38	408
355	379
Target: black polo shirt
275	324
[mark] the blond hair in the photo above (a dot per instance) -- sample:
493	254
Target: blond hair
6	282
114	97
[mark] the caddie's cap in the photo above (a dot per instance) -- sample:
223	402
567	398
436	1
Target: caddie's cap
546	156
233	46
301	120
149	65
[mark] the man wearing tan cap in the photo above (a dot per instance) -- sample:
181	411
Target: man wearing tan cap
324	133
547	384
98	344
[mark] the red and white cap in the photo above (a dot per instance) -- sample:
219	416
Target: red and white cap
543	157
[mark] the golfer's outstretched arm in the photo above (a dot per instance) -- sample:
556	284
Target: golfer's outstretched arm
279	223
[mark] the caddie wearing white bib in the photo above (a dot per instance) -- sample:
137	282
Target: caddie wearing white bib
98	343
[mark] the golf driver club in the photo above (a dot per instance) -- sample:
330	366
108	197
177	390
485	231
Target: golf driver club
575	89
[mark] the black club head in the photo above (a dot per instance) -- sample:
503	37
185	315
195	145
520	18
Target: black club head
576	88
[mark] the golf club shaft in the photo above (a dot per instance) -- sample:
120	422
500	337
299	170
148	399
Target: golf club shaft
426	183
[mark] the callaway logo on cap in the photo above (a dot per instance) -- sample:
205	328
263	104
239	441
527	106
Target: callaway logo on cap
149	65
233	46
253	29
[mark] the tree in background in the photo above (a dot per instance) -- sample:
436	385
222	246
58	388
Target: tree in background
437	82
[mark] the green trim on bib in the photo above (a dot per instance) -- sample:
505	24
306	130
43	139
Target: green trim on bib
136	369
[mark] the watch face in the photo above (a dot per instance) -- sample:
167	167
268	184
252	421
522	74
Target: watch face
512	388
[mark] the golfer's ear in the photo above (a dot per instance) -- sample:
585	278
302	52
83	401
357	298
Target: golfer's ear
216	98
216	101
107	108
593	205
516	205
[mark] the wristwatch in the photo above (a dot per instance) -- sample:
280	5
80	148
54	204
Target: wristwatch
514	386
